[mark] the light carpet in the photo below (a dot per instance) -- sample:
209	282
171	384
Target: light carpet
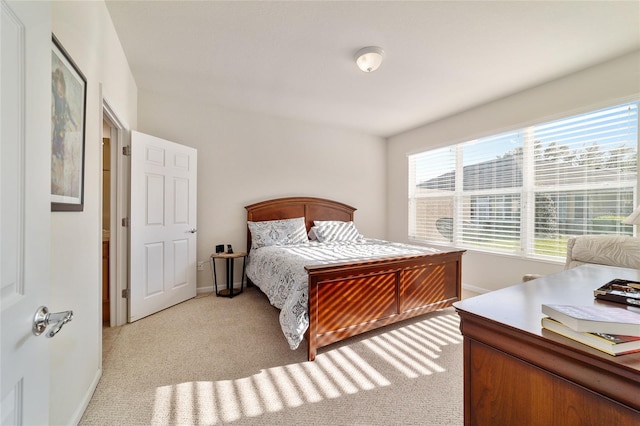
213	361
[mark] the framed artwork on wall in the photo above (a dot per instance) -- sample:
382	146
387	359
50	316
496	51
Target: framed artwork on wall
68	116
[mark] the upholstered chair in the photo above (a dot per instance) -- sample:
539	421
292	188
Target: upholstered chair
610	250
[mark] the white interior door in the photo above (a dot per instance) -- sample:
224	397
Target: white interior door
25	164
163	224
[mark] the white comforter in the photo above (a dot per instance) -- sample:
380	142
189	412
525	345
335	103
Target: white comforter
279	272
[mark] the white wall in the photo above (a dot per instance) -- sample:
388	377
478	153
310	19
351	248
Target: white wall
86	32
244	158
599	86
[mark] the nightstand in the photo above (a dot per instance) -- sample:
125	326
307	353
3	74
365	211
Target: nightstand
230	259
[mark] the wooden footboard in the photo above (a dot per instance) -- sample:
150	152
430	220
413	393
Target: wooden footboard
348	299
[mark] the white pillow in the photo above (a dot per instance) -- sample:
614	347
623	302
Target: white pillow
328	222
278	232
312	232
337	231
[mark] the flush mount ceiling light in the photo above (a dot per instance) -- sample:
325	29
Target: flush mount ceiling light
369	58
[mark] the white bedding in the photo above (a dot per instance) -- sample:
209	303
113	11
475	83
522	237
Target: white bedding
279	272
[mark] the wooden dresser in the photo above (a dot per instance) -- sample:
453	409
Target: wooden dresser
516	373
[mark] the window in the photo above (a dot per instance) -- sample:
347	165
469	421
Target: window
526	191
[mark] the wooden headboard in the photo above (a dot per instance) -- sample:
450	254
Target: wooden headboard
287	208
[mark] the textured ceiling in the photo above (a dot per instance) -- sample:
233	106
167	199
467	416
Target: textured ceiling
295	58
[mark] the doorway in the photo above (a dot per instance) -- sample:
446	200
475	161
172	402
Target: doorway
115	210
106	223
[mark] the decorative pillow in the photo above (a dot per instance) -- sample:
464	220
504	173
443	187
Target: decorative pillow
312	233
328	222
278	232
341	231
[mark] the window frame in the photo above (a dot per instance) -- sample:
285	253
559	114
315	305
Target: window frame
528	191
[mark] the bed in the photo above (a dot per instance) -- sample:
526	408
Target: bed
347	298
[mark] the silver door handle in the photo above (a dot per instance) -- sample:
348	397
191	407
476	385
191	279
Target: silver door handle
43	319
192	230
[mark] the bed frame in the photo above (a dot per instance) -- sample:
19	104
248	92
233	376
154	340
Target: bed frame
347	299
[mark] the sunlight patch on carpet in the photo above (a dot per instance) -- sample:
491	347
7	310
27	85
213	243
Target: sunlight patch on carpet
412	351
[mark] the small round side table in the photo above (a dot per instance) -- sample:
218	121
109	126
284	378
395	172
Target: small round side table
230	258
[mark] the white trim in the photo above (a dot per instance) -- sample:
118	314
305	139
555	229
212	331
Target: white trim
119	236
475	289
82	407
207	289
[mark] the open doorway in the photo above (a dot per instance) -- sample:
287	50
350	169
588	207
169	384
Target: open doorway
115	210
106	223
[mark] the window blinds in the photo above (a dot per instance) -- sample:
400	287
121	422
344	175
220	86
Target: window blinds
527	190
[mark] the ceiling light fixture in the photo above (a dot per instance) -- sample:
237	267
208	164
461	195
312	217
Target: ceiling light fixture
369	58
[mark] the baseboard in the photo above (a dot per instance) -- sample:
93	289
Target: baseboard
209	289
200	290
475	289
77	416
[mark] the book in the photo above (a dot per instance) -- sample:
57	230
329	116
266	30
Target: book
607	343
620	291
595	318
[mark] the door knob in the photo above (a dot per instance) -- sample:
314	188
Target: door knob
43	319
192	230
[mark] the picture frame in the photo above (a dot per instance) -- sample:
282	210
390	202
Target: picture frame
68	118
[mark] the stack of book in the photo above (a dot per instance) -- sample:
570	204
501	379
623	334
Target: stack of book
610	329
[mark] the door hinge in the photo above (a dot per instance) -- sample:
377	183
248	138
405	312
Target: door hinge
126	150
125	222
125	293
